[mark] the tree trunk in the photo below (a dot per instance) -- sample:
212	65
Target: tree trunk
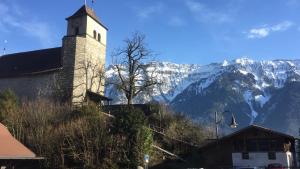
129	100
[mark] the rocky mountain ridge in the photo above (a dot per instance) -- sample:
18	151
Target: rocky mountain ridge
252	89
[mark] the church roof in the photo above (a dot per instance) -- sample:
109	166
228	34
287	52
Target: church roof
10	148
32	62
85	10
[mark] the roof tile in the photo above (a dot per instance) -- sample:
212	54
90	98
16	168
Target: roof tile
10	148
85	10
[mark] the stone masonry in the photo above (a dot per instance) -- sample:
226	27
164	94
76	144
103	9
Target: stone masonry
83	59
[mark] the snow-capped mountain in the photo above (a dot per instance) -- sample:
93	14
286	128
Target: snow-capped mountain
173	78
251	89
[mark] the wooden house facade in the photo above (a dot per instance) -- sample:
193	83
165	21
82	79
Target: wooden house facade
253	146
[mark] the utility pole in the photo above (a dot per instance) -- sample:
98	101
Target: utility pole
216	123
232	125
297	150
4	48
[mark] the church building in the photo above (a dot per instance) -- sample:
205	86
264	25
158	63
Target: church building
71	72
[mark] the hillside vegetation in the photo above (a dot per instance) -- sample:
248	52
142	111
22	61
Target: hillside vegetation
84	137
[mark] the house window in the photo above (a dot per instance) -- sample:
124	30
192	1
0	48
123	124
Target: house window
245	156
99	37
76	30
272	155
95	34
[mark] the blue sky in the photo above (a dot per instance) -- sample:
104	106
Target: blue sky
180	31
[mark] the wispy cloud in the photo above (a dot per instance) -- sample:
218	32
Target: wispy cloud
149	11
203	13
176	21
13	18
292	3
264	31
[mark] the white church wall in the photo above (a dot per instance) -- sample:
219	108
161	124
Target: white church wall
32	86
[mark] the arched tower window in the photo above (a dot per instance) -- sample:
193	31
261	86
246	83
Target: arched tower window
95	34
99	37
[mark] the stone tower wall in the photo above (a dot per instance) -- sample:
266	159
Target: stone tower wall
84	58
84	62
83	66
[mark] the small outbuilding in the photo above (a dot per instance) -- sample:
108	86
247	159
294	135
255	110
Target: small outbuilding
97	98
13	154
253	146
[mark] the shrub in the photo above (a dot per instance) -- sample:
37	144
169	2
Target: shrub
135	139
8	104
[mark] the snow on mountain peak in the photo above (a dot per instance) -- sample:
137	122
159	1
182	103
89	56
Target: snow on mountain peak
177	77
225	63
244	61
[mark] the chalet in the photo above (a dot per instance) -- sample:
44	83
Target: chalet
14	154
253	146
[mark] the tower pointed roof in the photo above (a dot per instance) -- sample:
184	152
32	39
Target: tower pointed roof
85	10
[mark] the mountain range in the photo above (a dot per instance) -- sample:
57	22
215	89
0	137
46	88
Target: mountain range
266	93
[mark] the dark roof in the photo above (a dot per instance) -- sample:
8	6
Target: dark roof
258	128
31	62
85	10
248	128
96	97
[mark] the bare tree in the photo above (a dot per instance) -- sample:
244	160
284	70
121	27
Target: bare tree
131	68
89	75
